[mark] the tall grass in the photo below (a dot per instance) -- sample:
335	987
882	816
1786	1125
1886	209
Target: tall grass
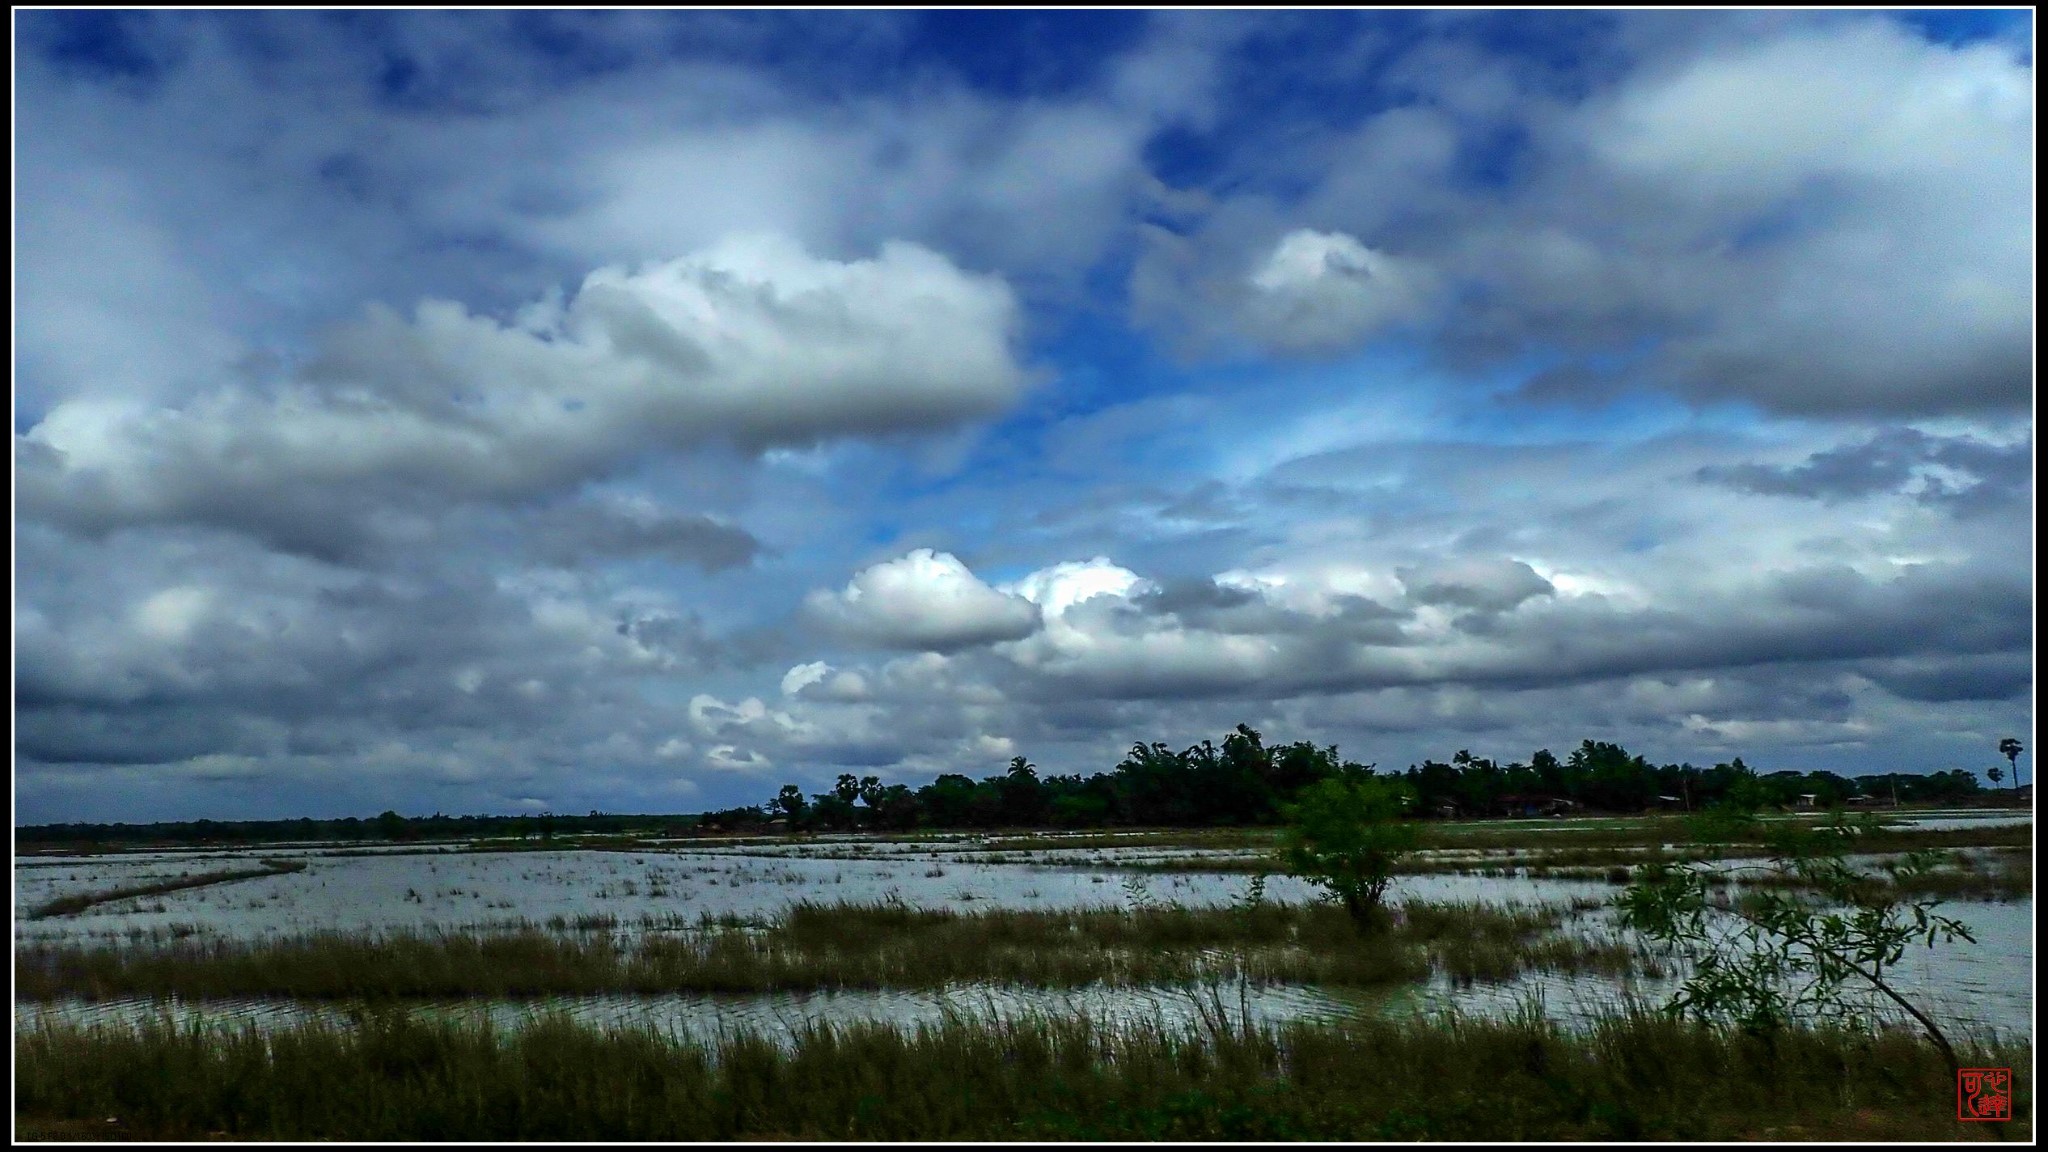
1633	1077
814	946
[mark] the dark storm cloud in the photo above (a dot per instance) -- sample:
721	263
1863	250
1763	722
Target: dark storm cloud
1488	586
1205	605
588	531
1979	475
140	734
1943	679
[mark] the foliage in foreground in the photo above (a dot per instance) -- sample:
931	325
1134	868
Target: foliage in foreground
397	1078
1779	955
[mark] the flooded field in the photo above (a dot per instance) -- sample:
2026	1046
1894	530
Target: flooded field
510	889
484	889
1979	987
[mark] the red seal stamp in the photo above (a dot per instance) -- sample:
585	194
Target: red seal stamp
1984	1094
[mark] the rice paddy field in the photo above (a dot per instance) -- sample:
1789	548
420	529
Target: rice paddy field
727	982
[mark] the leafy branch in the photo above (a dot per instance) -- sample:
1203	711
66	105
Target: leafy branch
1775	956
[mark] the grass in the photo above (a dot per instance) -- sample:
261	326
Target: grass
2009	876
1606	853
815	946
69	905
1632	1077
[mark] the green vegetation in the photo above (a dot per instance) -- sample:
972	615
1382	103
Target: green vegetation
1633	1077
68	905
840	946
1243	781
1786	957
1346	835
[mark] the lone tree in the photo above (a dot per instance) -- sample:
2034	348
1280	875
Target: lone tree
2011	749
1346	835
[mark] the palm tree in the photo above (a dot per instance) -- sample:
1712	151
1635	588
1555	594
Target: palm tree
2011	749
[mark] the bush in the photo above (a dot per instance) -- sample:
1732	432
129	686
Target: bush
1346	835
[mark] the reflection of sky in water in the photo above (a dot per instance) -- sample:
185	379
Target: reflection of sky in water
1949	823
485	889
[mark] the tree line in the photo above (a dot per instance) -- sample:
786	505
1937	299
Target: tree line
1245	781
1242	780
388	826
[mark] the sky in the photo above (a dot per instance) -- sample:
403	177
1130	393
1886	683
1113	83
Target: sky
499	412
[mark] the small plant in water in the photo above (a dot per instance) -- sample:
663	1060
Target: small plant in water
1138	893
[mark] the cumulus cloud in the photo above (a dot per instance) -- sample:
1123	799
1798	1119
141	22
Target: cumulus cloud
1865	194
755	342
519	546
1115	632
926	600
1057	588
1822	219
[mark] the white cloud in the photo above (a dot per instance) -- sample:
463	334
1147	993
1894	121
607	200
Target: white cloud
727	758
1857	207
1061	586
1095	631
1326	290
1822	217
396	562
754	341
170	615
797	678
820	681
712	717
925	600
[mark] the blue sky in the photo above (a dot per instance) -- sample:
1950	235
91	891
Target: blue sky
476	411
